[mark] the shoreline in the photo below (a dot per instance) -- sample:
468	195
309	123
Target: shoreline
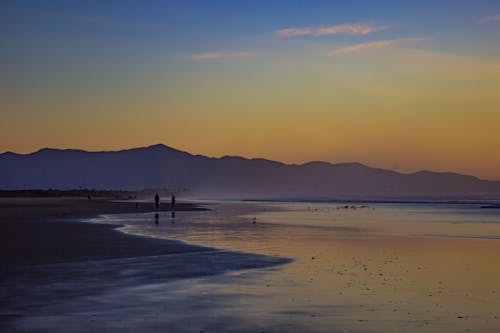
350	279
52	261
38	230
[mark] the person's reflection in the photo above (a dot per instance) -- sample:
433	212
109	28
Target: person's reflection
157	218
172	215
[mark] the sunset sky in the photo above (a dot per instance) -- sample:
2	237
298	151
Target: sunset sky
404	85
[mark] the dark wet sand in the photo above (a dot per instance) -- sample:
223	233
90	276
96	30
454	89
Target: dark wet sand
46	230
53	265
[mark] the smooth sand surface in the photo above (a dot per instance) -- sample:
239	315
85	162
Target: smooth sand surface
352	271
45	230
52	265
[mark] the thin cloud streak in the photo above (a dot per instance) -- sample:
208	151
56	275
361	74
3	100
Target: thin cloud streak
221	55
340	29
371	45
488	19
358	47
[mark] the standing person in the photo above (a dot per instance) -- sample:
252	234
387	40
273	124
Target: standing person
157	200
173	200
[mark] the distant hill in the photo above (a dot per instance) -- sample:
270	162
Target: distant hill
160	166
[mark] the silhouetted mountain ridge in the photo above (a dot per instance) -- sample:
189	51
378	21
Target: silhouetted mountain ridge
160	166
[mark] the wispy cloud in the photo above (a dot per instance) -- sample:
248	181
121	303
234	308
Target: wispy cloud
371	45
340	29
487	19
221	55
358	47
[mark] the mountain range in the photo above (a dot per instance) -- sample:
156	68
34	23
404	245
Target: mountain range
159	166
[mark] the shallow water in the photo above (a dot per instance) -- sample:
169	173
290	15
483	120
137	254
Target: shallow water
381	268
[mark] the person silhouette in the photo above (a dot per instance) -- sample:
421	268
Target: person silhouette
157	200
173	200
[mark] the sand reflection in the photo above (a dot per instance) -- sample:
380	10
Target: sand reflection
366	270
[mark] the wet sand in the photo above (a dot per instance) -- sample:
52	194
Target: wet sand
45	230
53	266
351	272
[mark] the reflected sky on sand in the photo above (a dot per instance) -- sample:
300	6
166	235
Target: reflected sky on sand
371	268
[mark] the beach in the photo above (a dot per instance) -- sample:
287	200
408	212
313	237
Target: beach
271	267
46	230
51	254
412	267
249	166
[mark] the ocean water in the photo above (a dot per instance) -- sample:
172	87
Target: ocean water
300	267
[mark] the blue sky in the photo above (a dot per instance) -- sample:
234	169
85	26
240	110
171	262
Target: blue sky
407	84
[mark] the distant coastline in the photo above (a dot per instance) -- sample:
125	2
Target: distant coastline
487	202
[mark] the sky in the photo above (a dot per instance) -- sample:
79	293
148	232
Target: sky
403	85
